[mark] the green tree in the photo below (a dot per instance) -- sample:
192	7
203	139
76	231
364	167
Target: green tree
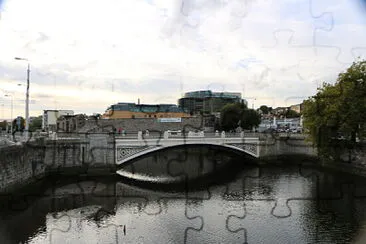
249	119
338	111
292	114
15	124
264	109
3	125
231	115
36	124
237	114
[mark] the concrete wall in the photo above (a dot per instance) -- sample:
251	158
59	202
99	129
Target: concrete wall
95	151
20	165
272	148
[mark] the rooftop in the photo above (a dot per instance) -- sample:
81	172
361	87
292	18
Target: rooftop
146	108
209	93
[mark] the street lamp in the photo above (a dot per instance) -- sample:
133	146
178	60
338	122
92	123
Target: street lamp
11	120
26	99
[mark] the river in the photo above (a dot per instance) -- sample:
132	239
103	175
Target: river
191	195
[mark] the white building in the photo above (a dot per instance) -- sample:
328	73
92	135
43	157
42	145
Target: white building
50	117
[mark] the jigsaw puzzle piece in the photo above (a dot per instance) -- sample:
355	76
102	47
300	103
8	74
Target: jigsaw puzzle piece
328	184
262	227
285	15
148	201
216	210
169	224
86	231
274	185
345	24
318	65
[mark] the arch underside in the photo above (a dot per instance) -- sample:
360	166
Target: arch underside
128	153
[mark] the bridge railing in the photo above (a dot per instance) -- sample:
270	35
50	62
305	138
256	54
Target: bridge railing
181	135
131	135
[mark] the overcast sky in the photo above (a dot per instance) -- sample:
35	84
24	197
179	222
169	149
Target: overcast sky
88	54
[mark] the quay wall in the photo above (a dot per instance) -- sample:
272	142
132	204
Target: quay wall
283	147
27	163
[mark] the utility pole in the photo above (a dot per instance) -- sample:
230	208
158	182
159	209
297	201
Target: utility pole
26	99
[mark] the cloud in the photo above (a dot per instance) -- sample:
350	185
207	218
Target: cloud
86	55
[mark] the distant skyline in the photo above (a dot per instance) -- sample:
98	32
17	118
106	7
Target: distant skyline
87	55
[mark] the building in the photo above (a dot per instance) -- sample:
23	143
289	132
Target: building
280	111
297	108
70	123
132	111
206	101
49	121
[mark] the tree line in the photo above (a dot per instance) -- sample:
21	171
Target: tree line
335	117
36	124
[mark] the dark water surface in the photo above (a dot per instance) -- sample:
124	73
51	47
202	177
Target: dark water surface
192	195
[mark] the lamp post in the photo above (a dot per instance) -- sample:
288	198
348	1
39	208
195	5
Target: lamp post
26	99
253	102
11	120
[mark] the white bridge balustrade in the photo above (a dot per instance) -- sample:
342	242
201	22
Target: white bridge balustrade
128	148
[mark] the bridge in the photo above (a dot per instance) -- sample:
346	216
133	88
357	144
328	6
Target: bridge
132	147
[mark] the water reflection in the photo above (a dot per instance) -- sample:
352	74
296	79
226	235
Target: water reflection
222	198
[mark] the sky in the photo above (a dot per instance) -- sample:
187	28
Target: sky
86	55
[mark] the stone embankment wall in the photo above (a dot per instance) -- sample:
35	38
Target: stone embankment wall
20	165
141	124
272	148
85	156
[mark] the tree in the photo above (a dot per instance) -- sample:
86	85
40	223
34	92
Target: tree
249	119
237	114
19	127
292	114
230	116
264	109
338	112
36	124
3	125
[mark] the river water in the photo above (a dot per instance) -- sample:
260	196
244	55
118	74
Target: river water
192	195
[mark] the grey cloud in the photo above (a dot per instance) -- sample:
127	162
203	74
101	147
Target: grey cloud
31	45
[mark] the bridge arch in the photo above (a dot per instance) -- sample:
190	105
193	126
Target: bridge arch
125	154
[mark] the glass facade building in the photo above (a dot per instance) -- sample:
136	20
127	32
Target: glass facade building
206	101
